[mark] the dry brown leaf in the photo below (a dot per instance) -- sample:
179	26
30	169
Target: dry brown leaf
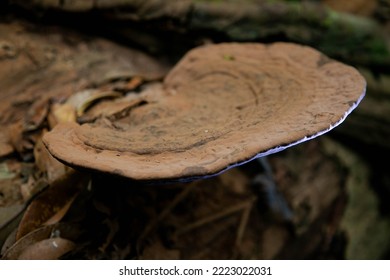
15	133
9	192
32	187
17	248
36	114
5	144
31	246
121	74
45	66
60	113
110	109
8	235
47	249
82	100
22	140
134	83
47	164
52	204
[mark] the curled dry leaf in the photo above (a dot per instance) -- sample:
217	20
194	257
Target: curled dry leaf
77	104
82	100
122	107
60	113
47	242
220	106
53	203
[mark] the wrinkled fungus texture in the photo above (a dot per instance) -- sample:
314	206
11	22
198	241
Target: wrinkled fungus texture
220	106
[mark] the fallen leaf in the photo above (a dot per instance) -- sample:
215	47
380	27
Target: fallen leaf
47	249
15	134
134	83
117	74
53	203
37	235
36	115
84	99
9	219
60	113
110	109
23	141
38	244
8	235
5	146
32	187
47	164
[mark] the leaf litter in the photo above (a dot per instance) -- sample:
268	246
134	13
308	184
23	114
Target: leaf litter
83	215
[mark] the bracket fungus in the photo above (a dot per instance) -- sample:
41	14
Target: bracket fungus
222	105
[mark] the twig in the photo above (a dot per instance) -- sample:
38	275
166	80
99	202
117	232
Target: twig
153	224
224	213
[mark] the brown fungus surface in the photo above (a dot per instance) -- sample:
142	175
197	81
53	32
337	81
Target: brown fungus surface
220	106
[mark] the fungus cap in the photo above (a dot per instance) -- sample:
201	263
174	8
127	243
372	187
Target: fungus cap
222	105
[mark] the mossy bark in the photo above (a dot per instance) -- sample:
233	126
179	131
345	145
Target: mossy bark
353	39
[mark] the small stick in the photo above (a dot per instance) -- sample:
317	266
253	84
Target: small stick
211	218
166	211
243	224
